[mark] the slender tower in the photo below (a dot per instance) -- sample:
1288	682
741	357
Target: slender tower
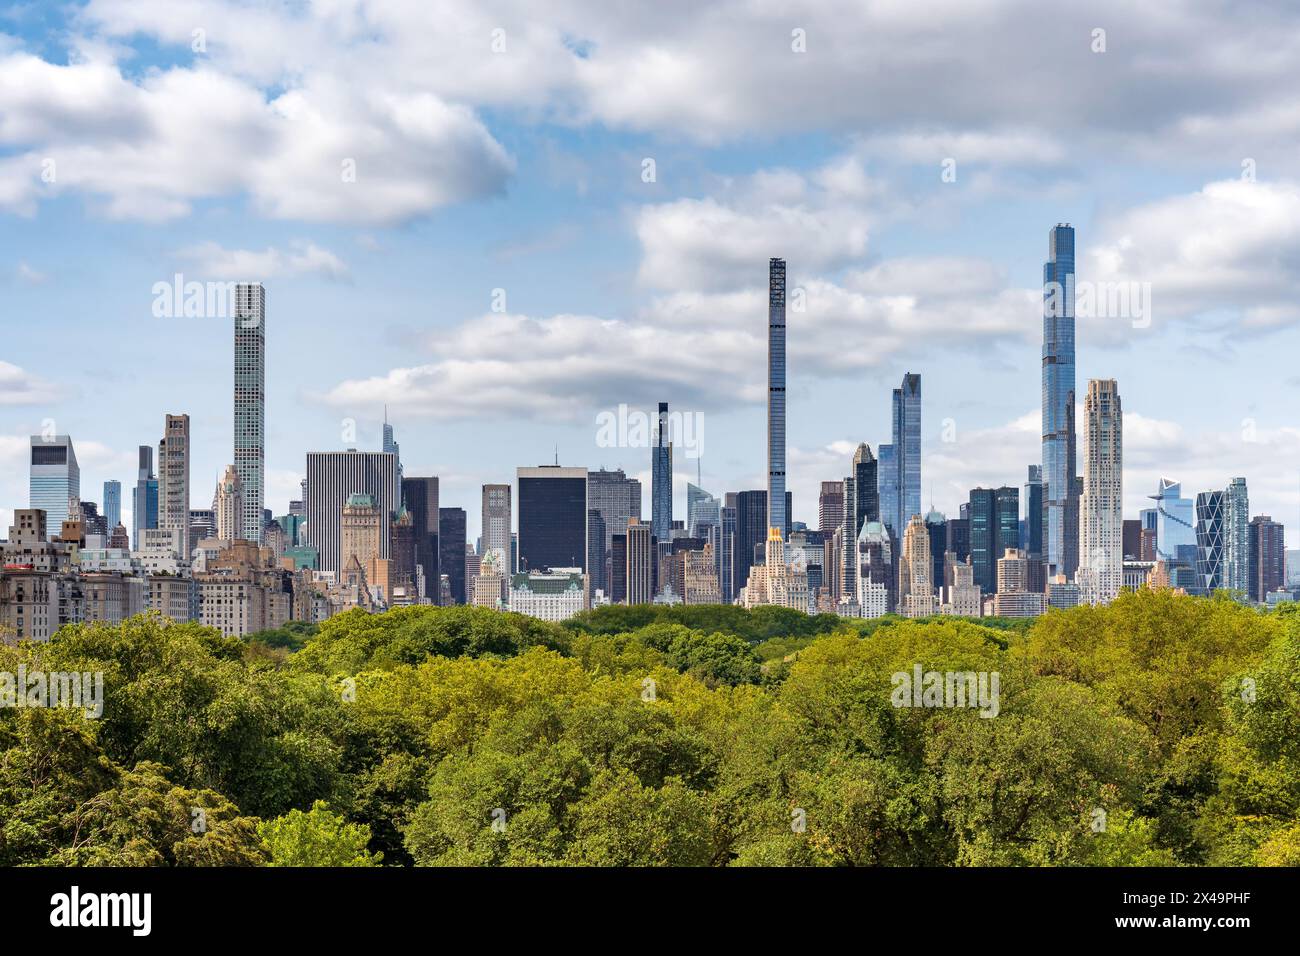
661	479
1101	570
776	394
250	402
1058	401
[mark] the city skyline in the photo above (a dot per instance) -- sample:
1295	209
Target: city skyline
383	291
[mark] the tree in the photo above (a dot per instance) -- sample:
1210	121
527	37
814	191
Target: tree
317	838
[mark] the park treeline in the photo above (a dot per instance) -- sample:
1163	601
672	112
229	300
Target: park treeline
1161	730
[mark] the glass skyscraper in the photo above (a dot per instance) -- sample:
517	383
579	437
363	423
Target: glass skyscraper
55	479
776	503
1058	400
887	474
1175	531
112	504
907	447
661	478
1236	537
1209	541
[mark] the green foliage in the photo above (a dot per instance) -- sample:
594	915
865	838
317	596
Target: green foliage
1162	730
318	837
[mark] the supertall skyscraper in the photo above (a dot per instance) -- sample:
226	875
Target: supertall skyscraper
250	403
1101	508
907	447
392	448
776	504
1058	398
661	478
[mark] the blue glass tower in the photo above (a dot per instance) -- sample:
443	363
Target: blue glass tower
776	507
661	479
907	447
1062	543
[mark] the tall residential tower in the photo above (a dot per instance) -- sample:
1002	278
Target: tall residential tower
250	402
1058	400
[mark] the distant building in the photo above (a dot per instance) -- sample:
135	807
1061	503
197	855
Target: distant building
915	583
174	478
1101	554
1267	557
250	410
451	551
112	504
555	595
55	479
228	503
552	517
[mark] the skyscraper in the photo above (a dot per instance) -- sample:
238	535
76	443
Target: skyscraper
907	446
420	496
936	526
1209	542
451	548
994	528
640	563
55	480
866	484
661	478
830	506
250	404
616	496
332	477
1236	537
228	505
496	524
392	448
1101	507
1058	397
552	517
1175	530
915	585
889	492
777	516
112	504
703	511
1035	504
174	479
1267	557
144	500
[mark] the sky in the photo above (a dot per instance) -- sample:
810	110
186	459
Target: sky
503	220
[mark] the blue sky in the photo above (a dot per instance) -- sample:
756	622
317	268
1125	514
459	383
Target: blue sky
522	170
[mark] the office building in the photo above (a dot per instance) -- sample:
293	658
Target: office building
1267	557
497	523
332	478
451	550
994	528
640	572
144	499
552	517
1175	527
112	504
420	499
55	480
830	506
915	582
1209	542
703	511
907	447
888	488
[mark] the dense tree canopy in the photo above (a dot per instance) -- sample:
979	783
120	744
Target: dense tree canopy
1160	730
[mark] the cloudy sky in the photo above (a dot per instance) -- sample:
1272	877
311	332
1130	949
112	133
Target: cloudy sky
502	219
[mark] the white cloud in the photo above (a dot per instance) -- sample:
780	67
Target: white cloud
18	387
301	258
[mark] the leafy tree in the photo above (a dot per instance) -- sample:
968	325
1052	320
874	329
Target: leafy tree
317	838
